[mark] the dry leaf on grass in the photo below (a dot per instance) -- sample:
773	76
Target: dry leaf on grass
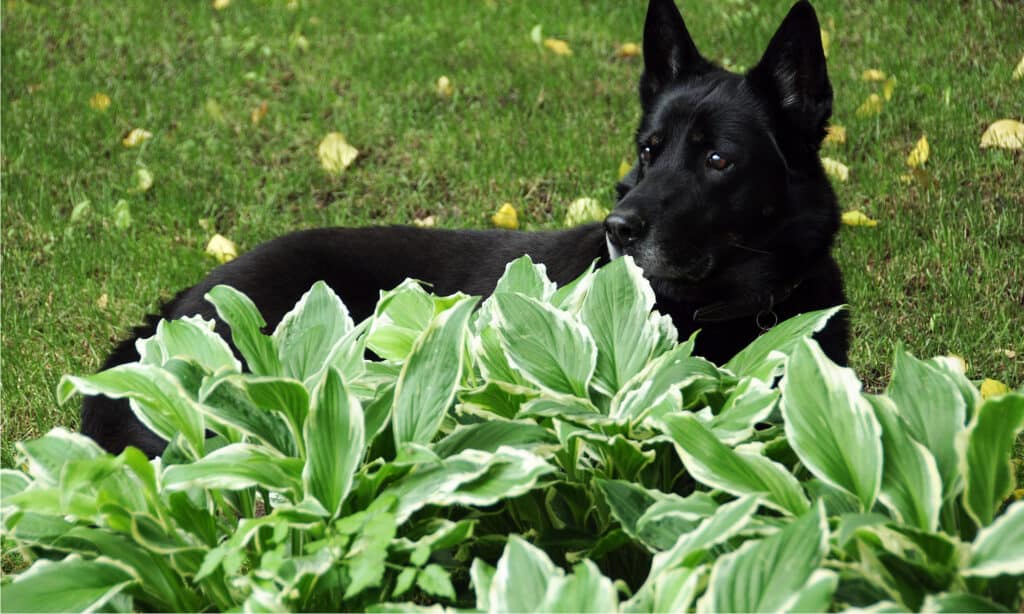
624	168
259	113
873	75
335	153
583	210
835	135
826	41
628	50
122	215
99	102
557	46
444	87
506	217
1005	133
220	5
870	107
993	388
103	301
858	218
143	181
222	248
919	154
136	137
1018	73
836	169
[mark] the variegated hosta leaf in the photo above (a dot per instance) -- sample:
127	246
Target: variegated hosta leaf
985	450
772	575
713	463
191	339
307	334
654	518
236	467
999	548
401	315
157	398
529	279
764	357
335	440
47	456
911	484
550	348
426	386
934	410
617	311
655	389
246	324
751	402
73	584
830	425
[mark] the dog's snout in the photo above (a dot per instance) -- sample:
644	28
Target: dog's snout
624	228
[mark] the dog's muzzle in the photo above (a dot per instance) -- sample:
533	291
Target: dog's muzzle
613	250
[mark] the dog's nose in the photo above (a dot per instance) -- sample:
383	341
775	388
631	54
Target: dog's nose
624	228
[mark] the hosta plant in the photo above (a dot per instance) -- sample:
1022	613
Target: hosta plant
545	449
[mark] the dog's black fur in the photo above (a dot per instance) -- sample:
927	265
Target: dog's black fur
728	212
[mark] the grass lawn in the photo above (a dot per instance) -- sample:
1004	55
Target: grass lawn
942	272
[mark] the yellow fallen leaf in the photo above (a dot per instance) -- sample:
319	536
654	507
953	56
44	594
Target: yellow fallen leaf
259	113
557	46
143	181
506	217
887	89
335	153
1005	133
583	210
919	154
1018	73
624	168
444	87
99	101
835	169
870	107
220	5
136	137
857	218
993	388
103	301
835	135
826	40
628	50
222	248
873	75
1007	353
427	222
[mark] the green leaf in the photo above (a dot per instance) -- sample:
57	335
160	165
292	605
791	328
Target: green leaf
911	485
192	339
547	346
617	311
285	397
816	595
762	358
47	456
489	436
985	450
529	279
751	402
434	580
933	408
482	576
830	425
652	517
584	590
335	438
741	473
225	400
999	548
157	398
71	585
960	602
307	334
236	467
426	386
521	578
768	575
246	323
657	389
401	315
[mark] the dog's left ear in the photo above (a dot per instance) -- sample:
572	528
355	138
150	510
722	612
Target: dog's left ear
669	52
792	74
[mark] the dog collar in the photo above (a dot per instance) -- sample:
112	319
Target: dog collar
763	311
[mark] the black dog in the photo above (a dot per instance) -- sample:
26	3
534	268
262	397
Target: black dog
728	212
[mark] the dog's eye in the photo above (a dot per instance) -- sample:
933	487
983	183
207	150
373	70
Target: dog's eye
717	161
646	154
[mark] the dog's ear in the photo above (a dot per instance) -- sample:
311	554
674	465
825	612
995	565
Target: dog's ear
669	52
792	74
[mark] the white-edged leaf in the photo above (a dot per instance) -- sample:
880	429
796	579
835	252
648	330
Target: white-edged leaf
47	456
287	397
934	410
157	398
482	576
73	584
711	462
911	484
335	437
830	425
521	578
307	334
584	590
751	402
547	346
235	467
246	324
402	314
617	311
192	339
655	389
426	386
816	595
756	359
985	450
999	548
767	575
522	275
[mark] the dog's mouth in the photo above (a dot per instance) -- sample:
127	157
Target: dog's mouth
657	267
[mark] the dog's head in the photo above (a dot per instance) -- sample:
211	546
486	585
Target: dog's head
727	182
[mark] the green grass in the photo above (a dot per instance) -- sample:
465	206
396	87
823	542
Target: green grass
941	273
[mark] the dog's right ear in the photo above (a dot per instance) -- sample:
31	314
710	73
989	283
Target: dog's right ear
669	52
